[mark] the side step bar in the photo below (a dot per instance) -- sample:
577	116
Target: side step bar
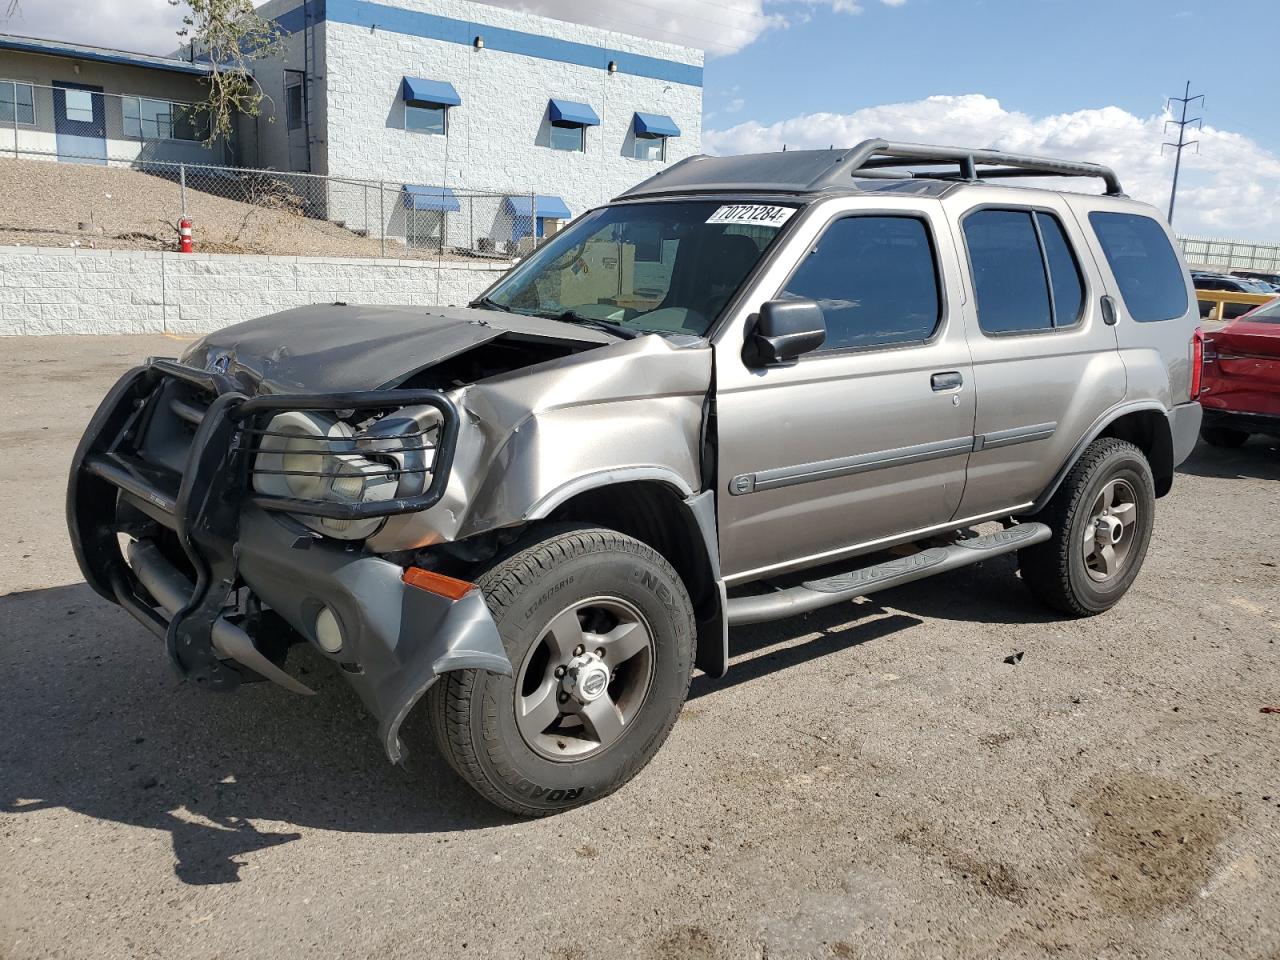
815	594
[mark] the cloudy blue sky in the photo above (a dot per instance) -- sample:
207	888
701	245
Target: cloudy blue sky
1079	78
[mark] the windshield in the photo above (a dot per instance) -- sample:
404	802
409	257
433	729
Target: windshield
646	267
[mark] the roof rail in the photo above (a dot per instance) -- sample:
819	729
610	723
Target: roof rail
883	159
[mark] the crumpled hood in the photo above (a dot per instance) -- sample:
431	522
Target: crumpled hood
337	348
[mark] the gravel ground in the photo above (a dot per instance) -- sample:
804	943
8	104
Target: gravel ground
43	204
873	780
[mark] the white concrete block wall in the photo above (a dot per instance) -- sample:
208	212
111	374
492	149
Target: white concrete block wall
497	139
76	291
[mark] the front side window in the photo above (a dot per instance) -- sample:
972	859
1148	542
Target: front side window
650	147
876	279
17	102
1142	260
1025	275
568	136
425	118
650	267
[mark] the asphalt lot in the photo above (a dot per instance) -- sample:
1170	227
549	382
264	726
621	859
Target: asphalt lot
872	780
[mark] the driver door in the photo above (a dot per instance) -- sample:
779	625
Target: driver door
868	437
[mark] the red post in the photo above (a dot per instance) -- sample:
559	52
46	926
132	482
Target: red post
184	236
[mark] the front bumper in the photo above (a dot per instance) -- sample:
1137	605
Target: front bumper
194	538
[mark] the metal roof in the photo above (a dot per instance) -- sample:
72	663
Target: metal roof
874	165
80	51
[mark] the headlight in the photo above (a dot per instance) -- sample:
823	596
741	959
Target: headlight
312	457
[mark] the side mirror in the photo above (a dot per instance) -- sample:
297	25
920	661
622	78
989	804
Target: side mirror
787	329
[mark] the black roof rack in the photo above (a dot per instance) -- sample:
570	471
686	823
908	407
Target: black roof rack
809	171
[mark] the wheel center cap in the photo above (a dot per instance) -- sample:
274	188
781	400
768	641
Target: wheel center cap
587	678
1109	530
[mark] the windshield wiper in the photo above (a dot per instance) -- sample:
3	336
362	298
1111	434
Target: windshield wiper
608	326
488	303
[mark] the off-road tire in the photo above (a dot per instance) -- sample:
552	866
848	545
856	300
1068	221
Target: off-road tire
1223	437
1055	570
472	713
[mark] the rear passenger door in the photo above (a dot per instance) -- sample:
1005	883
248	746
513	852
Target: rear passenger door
1045	363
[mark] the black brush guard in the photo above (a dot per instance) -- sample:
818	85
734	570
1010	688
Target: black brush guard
202	505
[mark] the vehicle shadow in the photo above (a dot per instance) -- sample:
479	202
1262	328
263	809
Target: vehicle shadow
1259	459
93	721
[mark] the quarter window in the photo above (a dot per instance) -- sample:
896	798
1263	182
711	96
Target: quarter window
1025	276
1152	283
876	279
17	102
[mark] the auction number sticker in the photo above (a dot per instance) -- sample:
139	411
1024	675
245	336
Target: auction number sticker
759	214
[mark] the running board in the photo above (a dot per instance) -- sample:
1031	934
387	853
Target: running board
892	573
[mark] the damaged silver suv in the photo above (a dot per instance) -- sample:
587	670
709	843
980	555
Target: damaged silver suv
543	510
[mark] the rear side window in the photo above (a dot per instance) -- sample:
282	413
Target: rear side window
1025	276
1151	281
1268	313
876	280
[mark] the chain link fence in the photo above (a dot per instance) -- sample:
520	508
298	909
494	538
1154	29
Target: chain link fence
129	168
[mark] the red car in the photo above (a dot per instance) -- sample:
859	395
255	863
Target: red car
1240	383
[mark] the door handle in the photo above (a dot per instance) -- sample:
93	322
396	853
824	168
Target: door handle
951	380
1108	311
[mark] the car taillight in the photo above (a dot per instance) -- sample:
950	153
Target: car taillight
1197	362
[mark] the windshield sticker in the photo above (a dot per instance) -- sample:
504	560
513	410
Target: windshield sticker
757	214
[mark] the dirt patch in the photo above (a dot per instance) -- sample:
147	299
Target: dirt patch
42	204
1153	843
686	943
990	877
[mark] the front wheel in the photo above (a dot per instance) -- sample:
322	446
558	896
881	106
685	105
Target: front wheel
600	633
1101	518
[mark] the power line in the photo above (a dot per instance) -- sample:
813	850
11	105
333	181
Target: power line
1186	100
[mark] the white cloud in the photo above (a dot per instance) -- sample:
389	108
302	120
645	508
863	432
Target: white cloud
717	26
143	26
1231	188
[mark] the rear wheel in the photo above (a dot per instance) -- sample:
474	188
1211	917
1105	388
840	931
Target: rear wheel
600	633
1223	437
1101	518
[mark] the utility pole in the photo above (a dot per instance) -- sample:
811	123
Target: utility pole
1186	100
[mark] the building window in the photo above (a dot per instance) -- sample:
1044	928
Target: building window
78	106
17	102
650	147
568	136
426	118
147	119
293	102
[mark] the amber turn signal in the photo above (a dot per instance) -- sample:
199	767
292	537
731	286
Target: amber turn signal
437	583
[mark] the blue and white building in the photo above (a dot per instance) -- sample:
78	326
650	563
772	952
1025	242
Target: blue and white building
445	97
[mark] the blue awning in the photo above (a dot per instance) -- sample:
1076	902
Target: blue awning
655	125
553	207
436	93
418	197
567	111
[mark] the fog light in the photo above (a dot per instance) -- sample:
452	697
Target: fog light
328	633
